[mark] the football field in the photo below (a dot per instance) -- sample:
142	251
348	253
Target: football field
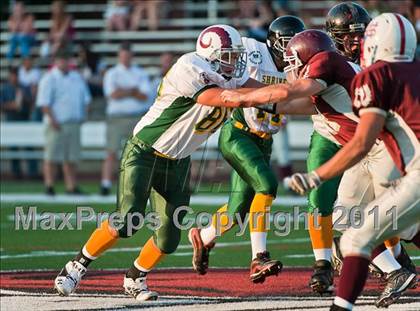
31	258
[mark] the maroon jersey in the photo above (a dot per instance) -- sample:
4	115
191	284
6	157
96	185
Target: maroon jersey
393	90
335	120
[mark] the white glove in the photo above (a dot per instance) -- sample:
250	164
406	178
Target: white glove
302	183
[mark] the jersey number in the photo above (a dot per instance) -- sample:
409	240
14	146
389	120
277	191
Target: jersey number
213	121
362	96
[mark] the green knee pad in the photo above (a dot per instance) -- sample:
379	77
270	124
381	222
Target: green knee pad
323	197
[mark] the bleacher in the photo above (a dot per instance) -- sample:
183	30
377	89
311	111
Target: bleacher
177	34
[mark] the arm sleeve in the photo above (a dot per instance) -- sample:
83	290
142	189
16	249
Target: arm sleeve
321	68
369	92
109	86
45	92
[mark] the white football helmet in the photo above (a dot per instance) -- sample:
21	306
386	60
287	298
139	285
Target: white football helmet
221	45
389	37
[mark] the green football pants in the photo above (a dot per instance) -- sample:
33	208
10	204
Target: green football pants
144	174
249	156
323	197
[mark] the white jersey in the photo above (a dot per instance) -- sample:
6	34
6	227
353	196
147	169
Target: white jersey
176	125
262	68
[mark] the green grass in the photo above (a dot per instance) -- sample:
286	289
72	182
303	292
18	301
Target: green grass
18	242
14	242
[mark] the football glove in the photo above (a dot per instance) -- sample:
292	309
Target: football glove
303	182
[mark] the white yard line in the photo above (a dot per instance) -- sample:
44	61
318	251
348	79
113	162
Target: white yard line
137	249
199	199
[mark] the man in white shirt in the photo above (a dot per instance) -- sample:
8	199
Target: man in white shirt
29	76
63	96
127	89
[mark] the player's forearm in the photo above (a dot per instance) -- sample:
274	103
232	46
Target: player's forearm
266	95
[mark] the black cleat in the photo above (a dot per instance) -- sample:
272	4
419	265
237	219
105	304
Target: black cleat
263	266
105	190
397	282
405	261
337	261
322	280
49	191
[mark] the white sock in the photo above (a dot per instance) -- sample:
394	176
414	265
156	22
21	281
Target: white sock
386	261
258	243
323	254
140	267
86	254
208	235
338	301
396	249
106	183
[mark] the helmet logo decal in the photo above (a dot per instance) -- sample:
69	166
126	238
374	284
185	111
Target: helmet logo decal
255	57
225	39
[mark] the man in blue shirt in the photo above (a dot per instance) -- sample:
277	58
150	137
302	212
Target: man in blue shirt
63	96
16	103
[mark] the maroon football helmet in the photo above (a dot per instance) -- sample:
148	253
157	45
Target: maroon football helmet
303	46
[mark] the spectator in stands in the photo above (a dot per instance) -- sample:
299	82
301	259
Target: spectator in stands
166	61
62	31
22	32
259	24
15	103
64	97
126	88
92	69
117	15
29	75
148	9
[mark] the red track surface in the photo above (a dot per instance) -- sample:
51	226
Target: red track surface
220	282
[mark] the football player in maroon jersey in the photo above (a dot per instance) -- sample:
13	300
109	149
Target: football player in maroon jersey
317	65
325	75
345	24
386	96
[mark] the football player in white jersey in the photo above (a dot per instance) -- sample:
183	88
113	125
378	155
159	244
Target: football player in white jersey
155	162
245	142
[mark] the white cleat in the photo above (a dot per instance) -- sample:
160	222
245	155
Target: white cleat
138	289
69	278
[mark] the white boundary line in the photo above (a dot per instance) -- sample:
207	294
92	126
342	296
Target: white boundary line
137	249
31	198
